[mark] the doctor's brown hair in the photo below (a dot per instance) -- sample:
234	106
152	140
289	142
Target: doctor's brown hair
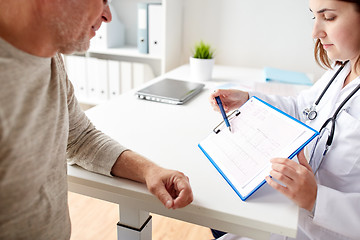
320	54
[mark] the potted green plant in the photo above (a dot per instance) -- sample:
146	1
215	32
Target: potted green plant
202	62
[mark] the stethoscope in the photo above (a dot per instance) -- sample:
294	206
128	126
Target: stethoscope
311	114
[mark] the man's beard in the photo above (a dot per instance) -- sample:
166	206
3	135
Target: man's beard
74	47
65	33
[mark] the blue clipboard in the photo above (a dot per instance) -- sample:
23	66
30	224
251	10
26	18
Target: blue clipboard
220	159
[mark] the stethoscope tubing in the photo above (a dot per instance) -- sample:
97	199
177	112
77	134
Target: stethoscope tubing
329	83
311	112
331	119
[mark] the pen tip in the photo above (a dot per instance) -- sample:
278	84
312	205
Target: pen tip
229	128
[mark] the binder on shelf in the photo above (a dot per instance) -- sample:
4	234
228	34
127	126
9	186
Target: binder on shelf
114	78
102	80
76	69
142	36
285	76
149	28
138	74
155	27
259	133
92	73
126	76
97	80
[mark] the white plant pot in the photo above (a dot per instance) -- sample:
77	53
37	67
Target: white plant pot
201	69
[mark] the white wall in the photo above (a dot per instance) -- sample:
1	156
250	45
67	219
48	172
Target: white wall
253	33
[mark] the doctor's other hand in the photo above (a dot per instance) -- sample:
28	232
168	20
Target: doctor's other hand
171	187
231	99
298	179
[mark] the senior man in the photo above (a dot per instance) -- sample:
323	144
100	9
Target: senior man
42	125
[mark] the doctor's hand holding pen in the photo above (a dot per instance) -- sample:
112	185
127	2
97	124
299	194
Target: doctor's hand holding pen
231	99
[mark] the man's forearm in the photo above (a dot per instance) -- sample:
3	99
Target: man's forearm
132	166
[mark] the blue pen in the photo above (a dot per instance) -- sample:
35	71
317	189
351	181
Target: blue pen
226	120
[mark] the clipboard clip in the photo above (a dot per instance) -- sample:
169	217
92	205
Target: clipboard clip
233	115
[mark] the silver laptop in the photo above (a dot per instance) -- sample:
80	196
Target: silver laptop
170	91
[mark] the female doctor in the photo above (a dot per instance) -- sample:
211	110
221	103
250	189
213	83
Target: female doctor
327	189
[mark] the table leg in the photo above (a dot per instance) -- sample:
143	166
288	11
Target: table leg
134	224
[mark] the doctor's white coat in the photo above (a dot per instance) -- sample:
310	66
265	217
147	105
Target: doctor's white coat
337	209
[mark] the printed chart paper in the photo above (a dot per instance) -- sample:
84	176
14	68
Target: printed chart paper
259	133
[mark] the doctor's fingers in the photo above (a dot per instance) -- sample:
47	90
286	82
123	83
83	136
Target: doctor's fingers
289	172
292	180
277	186
296	181
218	93
304	196
289	186
289	169
222	93
282	164
213	103
303	161
225	104
282	178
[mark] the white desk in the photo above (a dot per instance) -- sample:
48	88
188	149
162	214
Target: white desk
168	135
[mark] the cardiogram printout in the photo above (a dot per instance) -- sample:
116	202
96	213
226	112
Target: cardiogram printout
259	133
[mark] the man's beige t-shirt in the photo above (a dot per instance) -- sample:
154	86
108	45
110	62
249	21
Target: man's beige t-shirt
41	126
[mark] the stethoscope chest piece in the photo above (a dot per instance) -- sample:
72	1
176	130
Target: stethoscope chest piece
310	113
